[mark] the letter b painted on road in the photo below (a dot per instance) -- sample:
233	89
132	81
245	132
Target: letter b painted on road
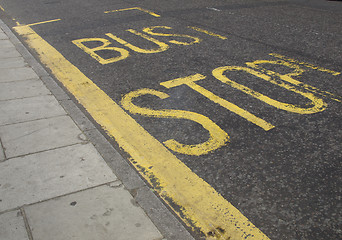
104	47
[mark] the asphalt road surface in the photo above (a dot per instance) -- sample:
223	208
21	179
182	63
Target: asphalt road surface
246	93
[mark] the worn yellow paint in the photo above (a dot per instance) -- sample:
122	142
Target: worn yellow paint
297	71
217	137
318	105
190	82
150	30
91	51
16	21
2	9
194	200
308	65
208	32
162	46
134	8
38	23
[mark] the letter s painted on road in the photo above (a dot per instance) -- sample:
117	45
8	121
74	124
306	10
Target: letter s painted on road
217	137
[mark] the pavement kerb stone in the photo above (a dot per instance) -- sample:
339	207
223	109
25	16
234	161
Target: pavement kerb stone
169	226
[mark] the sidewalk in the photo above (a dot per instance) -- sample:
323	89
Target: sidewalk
59	177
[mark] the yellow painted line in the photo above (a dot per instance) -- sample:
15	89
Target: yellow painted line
38	23
194	200
2	8
308	65
134	8
207	32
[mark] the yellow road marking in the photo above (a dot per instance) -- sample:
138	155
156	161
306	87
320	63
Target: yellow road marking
134	8
288	77
308	65
190	82
217	137
207	32
38	23
194	200
318	105
2	9
149	30
105	43
123	53
162	46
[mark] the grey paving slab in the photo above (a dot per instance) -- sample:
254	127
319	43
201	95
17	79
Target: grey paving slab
6	44
3	35
104	213
40	135
49	174
12	226
22	89
120	166
10	52
13	62
17	74
28	109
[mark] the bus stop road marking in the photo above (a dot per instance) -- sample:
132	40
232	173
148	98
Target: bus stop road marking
192	199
